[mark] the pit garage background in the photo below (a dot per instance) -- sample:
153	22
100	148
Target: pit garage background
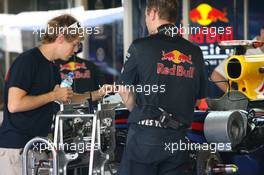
123	22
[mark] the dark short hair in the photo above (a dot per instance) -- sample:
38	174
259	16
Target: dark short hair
167	9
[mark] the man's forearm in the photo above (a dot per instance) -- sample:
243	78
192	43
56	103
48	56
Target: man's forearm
28	102
128	98
220	81
82	98
130	103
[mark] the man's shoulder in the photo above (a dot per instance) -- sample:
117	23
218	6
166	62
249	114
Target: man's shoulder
27	56
140	41
254	51
146	39
153	38
144	43
187	43
29	52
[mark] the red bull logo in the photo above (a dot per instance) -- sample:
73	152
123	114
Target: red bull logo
204	14
80	66
177	69
72	66
176	57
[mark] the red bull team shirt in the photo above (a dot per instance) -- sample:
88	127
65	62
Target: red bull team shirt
166	71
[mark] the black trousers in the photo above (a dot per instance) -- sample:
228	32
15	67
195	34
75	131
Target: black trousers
149	152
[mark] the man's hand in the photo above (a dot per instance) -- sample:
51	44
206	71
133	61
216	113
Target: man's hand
95	95
128	97
106	89
62	94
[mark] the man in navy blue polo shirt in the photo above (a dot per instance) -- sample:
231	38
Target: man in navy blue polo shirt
162	79
31	88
